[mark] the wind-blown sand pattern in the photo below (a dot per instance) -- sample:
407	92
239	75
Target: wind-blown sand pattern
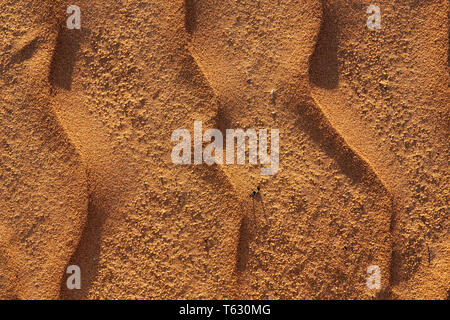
86	176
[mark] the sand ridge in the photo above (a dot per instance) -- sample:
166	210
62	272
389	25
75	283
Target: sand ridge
363	151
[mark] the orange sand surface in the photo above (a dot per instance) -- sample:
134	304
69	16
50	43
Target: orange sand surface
86	176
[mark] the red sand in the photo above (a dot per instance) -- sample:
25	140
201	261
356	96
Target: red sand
86	176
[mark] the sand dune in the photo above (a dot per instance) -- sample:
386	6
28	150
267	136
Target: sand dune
86	176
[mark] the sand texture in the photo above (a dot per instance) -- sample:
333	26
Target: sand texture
86	176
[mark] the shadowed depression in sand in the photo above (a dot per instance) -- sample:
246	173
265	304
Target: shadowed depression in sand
86	176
